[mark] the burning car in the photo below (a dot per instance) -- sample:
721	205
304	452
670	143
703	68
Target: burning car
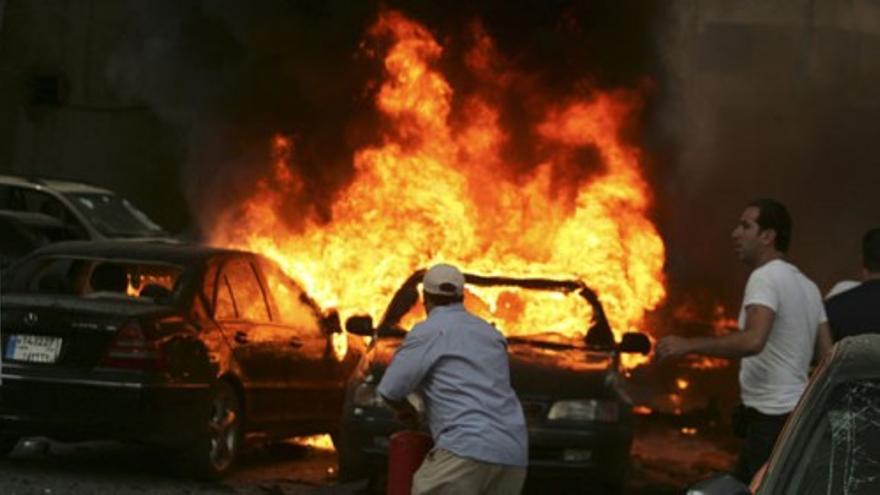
188	347
831	441
579	416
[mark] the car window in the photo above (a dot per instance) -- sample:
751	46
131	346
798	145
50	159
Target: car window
225	304
29	200
114	216
32	201
97	278
15	242
246	291
292	304
843	452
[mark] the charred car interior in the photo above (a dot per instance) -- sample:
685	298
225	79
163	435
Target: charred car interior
579	415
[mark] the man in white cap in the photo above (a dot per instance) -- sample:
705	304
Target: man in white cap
459	364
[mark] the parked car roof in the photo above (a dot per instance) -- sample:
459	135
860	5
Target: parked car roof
61	185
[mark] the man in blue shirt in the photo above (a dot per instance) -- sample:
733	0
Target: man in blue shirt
459	364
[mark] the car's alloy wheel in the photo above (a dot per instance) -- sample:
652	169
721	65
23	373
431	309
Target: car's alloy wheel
220	439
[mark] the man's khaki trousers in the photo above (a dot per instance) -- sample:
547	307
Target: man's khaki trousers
444	473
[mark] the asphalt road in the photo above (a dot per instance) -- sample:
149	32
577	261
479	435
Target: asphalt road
664	461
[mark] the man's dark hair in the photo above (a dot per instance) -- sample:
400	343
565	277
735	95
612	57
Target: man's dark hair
442	300
871	250
774	215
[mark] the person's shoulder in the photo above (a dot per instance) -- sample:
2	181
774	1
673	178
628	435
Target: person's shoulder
778	266
864	292
766	273
476	320
840	288
421	331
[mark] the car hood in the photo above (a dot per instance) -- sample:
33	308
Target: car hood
537	370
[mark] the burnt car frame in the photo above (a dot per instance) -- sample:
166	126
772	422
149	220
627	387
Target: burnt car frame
831	441
579	416
196	349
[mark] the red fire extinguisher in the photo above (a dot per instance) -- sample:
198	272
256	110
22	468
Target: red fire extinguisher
406	451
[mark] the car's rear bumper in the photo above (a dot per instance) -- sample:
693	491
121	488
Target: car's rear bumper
100	408
590	451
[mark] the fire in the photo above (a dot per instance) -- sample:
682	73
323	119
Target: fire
319	442
707	363
438	189
722	323
681	383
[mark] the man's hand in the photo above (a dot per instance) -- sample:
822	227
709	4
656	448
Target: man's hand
408	415
404	412
672	347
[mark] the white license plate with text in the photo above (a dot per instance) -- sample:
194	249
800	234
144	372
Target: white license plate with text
33	348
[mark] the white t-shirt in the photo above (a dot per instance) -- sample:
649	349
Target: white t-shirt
773	380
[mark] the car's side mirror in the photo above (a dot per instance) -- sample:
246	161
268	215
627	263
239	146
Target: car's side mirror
635	342
723	484
330	323
360	325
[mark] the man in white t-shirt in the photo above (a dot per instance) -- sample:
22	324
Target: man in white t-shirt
782	328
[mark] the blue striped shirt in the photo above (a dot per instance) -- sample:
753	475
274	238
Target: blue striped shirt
459	364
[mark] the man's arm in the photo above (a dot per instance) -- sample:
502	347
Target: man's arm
405	412
411	362
748	342
823	342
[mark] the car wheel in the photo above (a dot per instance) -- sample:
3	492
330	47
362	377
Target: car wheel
219	434
7	444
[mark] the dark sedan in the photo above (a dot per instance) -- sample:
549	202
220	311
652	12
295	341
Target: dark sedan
579	417
193	348
831	441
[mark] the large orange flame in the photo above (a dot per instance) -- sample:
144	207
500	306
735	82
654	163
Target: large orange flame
437	190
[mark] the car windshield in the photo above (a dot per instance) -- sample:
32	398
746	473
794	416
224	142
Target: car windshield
843	454
114	216
548	312
96	278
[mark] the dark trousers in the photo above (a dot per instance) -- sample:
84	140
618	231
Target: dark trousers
760	431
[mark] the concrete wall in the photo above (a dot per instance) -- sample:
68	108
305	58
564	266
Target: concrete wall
776	98
90	133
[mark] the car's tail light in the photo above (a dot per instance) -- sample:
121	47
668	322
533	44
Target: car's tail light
130	349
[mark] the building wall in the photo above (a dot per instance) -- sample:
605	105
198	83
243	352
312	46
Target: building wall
776	98
60	116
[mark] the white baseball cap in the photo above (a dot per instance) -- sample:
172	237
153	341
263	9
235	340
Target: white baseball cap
443	280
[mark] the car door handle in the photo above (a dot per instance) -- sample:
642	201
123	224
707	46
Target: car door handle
295	343
241	337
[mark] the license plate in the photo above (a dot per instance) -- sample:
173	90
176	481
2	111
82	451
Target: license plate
33	348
